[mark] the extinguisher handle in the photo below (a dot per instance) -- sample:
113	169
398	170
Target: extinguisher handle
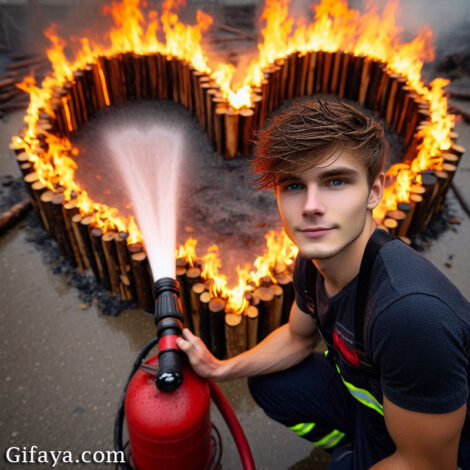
169	375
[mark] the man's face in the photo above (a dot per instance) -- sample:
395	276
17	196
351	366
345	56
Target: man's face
324	209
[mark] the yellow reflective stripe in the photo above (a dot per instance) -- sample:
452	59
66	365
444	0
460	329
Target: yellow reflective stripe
302	428
330	440
362	395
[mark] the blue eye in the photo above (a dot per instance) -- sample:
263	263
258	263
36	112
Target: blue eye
292	187
337	183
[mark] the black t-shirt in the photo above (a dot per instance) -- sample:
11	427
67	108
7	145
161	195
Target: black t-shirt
417	328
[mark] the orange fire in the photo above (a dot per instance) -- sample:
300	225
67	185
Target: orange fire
335	27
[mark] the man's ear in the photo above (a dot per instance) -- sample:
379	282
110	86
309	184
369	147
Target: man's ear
376	191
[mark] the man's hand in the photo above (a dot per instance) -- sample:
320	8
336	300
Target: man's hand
202	361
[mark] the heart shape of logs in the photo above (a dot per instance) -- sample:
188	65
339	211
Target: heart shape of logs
118	259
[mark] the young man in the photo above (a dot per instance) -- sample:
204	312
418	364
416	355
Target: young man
391	393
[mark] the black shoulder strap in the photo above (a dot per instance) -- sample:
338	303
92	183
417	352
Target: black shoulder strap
378	239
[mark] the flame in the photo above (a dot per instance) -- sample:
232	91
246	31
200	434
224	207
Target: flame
335	27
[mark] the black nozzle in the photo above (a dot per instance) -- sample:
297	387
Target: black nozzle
168	319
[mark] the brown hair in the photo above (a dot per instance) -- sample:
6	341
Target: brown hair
308	133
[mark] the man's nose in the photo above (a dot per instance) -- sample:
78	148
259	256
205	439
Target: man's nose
313	204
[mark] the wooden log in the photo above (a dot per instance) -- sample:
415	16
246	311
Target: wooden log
391	225
143	282
457	150
343	77
406	104
81	243
172	68
402	91
210	109
390	97
318	72
245	131
231	132
14	214
60	230
442	182
266	298
193	276
291	74
37	189
163	79
85	230
284	280
310	80
377	79
449	169
301	76
252	326
204	319
96	235
364	80
217	327
411	119
275	315
326	73
398	217
354	77
406	208
91	100
284	64
197	289
256	100
219	128
112	262
336	67
264	102
70	209
152	75
235	334
126	281
416	225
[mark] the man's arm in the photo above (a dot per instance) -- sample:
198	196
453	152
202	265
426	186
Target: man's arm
283	348
424	441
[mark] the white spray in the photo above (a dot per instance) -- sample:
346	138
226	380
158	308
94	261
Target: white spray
148	160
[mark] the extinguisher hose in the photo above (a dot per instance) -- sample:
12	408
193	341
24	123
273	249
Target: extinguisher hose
119	423
234	427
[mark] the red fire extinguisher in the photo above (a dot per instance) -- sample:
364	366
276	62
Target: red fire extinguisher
167	406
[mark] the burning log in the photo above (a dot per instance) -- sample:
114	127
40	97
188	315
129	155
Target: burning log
231	133
60	230
318	72
235	334
219	128
246	127
266	298
217	327
344	74
335	70
112	261
354	77
407	209
125	273
301	79
310	80
292	61
390	95
70	209
96	236
204	319
398	217
38	188
75	222
326	73
15	214
365	80
143	281
284	280
402	91
85	231
252	326
275	314
193	276
197	289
